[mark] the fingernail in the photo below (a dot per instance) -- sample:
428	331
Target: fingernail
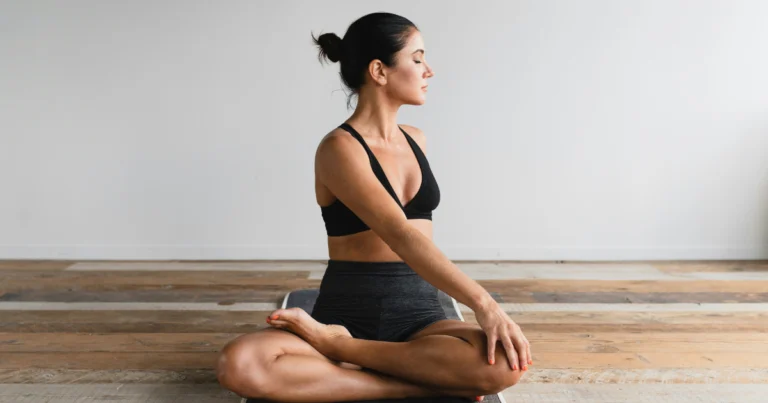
525	367
275	316
530	362
492	361
514	367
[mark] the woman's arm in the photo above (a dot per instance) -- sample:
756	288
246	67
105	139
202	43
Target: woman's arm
344	168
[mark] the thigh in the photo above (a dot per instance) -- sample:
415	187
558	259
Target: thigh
469	332
270	343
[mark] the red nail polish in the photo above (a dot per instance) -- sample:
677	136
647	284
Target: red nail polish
514	367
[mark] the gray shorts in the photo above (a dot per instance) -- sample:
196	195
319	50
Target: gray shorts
385	301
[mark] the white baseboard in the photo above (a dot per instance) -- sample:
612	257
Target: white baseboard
319	252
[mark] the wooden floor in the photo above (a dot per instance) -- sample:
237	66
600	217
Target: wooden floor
600	332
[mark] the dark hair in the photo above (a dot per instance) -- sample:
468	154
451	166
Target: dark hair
373	36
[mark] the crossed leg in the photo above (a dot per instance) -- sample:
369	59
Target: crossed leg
280	366
449	355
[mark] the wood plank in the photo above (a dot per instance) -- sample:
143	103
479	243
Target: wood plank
713	266
35	265
542	342
599	393
635	322
110	360
203	360
638	298
644	343
535	375
116	392
116	376
522	392
507	307
107	280
607	271
650	360
645	376
664	266
631	307
643	327
662	337
138	306
196	294
611	317
191	266
509	287
125	280
116	342
225	321
133	321
264	293
730	276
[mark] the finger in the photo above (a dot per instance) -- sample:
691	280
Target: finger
522	349
530	355
511	353
492	348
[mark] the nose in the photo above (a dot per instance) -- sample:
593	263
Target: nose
429	72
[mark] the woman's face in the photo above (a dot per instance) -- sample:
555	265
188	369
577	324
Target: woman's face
407	81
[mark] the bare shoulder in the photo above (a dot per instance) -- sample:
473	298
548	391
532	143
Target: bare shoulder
417	134
339	148
337	141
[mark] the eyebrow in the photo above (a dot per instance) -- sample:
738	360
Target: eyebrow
417	51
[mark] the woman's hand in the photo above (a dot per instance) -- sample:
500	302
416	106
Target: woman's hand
498	326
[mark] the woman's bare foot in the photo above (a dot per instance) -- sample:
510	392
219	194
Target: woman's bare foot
318	335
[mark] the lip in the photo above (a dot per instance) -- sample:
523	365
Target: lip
424	87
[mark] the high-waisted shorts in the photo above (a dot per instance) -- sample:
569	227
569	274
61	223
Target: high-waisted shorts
385	301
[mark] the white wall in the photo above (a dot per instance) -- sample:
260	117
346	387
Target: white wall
557	129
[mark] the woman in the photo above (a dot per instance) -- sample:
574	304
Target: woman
377	330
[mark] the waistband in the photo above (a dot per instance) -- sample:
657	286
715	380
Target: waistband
374	280
386	269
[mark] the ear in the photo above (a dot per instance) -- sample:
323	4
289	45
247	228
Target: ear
378	72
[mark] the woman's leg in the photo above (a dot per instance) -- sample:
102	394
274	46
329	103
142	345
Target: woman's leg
436	360
279	366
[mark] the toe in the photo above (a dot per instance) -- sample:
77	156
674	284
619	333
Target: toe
275	314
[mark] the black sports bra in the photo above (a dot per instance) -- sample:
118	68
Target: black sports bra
340	220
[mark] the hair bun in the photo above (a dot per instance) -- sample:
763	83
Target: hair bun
330	46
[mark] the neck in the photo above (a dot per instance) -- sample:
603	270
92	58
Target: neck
376	116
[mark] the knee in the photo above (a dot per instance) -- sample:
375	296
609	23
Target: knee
240	370
497	377
501	378
491	379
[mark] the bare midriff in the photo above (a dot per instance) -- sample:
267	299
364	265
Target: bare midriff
367	246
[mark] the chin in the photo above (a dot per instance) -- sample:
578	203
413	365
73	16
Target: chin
416	101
